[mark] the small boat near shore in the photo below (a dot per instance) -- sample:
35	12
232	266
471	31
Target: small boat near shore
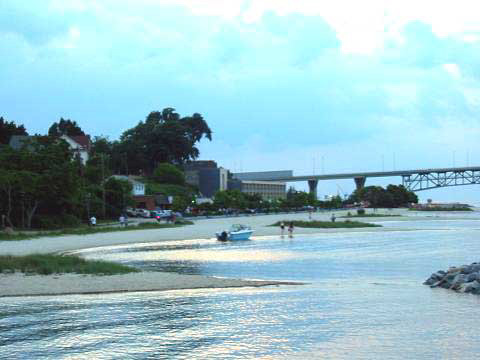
236	232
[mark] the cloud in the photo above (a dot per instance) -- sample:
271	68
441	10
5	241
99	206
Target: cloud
277	81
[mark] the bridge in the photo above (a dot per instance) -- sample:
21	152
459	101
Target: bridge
413	180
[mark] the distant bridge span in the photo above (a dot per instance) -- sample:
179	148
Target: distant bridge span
413	180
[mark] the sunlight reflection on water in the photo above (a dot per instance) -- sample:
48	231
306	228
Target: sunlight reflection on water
365	300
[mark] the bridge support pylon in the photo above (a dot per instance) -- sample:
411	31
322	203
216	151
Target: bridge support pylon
312	186
360	182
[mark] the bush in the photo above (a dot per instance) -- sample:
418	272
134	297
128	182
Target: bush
168	174
53	222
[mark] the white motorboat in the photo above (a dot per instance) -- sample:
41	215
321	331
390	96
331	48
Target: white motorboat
236	232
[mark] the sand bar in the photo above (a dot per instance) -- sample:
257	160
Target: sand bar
66	284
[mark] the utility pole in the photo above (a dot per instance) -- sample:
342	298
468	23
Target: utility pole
103	186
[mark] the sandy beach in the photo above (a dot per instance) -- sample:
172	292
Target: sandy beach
21	285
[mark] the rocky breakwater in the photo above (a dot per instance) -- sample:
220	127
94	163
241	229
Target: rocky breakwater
465	279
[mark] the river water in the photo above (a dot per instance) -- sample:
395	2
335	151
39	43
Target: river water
364	300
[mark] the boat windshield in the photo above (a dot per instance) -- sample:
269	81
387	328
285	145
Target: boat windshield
239	227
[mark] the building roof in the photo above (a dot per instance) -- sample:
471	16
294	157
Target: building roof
82	140
128	178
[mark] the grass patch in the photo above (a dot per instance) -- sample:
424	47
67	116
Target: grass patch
60	264
87	230
326	224
368	215
460	208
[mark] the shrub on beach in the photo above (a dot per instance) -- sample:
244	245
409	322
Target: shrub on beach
326	224
56	264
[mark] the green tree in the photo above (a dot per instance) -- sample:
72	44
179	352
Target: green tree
46	180
401	196
65	127
180	203
7	129
168	174
164	137
298	199
118	196
230	199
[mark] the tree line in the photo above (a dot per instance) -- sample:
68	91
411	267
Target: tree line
44	184
392	196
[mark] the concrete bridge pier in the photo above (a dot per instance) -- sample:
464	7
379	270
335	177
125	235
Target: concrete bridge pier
360	182
312	186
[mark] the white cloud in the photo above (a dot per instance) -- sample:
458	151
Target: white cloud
453	70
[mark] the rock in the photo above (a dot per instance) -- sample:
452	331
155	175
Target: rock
465	278
472	277
430	281
458	281
433	278
471	287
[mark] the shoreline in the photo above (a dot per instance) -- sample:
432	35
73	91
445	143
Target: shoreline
19	284
22	285
201	229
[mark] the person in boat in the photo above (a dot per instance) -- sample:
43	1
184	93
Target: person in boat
282	228
223	236
290	229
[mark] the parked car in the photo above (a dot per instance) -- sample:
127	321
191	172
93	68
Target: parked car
130	212
163	214
142	213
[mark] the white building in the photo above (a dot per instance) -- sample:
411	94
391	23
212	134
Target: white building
138	188
80	145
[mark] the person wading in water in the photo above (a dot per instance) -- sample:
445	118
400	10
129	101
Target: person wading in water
290	230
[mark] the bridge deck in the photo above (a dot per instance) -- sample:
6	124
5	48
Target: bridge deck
372	174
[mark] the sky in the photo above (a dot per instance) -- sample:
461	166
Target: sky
309	86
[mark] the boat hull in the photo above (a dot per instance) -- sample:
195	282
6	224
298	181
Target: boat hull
244	235
235	236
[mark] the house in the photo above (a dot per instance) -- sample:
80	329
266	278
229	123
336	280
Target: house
141	200
78	144
138	188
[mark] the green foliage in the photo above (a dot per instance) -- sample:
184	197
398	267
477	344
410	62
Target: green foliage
326	224
298	199
65	127
392	196
334	203
118	196
7	129
164	137
168	174
87	230
58	264
440	208
46	181
230	199
51	222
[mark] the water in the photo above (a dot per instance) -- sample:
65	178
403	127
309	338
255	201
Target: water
364	300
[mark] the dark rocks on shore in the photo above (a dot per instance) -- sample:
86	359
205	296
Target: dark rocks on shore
465	279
